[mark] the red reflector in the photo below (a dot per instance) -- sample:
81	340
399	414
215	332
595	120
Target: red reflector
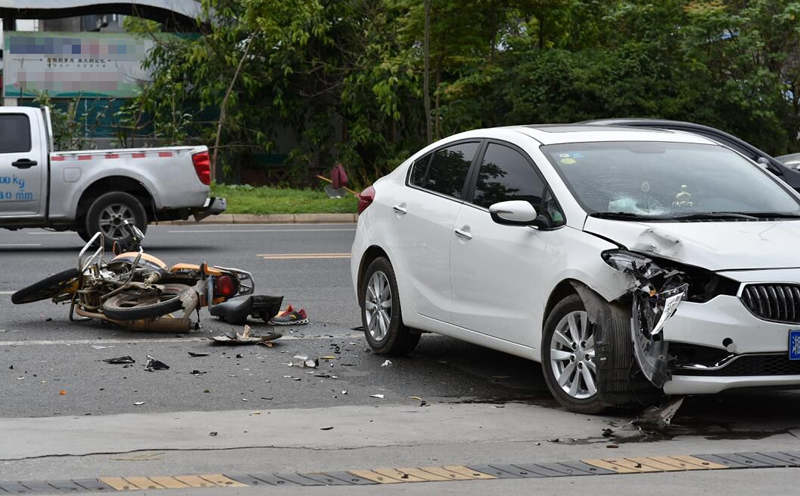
225	286
202	166
365	199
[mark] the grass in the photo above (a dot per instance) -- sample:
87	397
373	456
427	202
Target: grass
246	199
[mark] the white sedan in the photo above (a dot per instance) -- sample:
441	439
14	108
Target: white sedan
630	262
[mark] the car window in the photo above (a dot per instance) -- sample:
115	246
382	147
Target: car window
505	174
418	171
449	167
553	210
15	133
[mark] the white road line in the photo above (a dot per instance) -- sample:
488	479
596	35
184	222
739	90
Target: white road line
40	233
155	340
7	292
19	244
227	231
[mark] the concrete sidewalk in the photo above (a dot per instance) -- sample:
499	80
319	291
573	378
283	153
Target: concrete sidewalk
271	219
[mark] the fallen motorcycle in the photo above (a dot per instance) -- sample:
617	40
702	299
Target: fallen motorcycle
139	291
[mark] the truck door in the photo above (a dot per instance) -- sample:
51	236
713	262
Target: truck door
23	163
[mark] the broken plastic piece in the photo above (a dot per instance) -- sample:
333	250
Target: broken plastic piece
118	360
196	354
379	396
153	364
257	306
387	363
304	361
235	338
659	417
138	403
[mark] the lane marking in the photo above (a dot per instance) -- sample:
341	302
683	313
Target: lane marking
7	292
44	233
302	256
106	342
13	245
228	231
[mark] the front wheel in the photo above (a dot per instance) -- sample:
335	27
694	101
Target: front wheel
588	367
380	311
64	282
139	304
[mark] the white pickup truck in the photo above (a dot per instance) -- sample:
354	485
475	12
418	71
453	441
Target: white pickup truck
95	190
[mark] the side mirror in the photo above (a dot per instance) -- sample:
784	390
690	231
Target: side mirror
517	213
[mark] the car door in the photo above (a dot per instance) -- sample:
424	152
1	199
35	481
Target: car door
22	166
423	217
494	267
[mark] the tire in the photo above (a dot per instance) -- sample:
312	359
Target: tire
385	331
106	214
49	287
82	232
607	358
124	306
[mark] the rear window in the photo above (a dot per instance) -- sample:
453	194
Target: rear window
15	133
449	167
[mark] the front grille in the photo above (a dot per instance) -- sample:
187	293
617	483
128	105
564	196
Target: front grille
752	365
776	302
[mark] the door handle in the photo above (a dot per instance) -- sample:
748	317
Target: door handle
24	163
400	210
463	234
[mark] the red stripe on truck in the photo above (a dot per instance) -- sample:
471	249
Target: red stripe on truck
138	155
84	157
112	155
164	154
58	159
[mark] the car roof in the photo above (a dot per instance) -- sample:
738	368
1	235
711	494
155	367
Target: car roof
550	134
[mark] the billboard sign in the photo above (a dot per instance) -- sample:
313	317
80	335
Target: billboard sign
70	64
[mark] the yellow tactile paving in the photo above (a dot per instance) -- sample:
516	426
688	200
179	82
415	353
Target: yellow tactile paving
640	467
669	460
374	477
118	483
701	463
447	473
610	466
664	467
422	474
194	481
143	483
460	469
399	475
222	481
169	482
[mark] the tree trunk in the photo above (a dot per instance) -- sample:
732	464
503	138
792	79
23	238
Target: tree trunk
225	104
438	126
426	76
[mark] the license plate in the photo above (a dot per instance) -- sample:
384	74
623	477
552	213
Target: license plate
794	345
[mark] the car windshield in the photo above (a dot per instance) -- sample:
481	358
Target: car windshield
657	180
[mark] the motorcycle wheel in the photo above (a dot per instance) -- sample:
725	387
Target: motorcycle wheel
49	287
135	304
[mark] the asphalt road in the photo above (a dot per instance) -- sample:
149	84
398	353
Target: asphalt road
487	406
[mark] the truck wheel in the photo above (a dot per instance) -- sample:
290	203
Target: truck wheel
107	214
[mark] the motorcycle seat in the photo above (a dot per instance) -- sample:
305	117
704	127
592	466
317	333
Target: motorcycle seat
236	311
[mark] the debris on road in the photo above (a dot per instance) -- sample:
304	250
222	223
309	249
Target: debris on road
659	417
379	396
608	432
198	372
235	338
212	434
304	361
100	347
119	360
63	392
153	365
196	354
325	428
138	403
387	363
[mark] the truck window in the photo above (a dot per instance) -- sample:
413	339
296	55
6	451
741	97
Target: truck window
15	133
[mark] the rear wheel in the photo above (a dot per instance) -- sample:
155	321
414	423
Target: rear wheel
139	304
49	287
108	214
380	311
590	367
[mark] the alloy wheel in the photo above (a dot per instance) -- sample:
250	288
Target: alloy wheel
378	306
112	220
572	355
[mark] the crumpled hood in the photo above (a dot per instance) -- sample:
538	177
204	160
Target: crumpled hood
712	245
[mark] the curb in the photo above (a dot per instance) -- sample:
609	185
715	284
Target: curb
591	467
270	219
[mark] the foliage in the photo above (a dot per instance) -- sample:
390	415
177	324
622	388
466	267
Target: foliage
70	125
246	199
342	80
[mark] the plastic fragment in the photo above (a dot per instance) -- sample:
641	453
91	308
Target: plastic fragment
197	354
138	403
387	363
122	359
153	364
325	428
379	396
